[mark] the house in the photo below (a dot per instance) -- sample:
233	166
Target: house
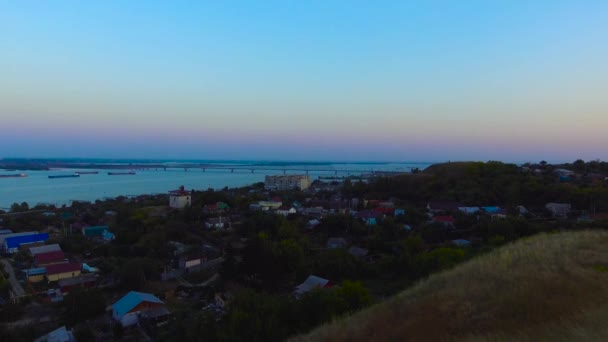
134	306
461	243
499	214
370	217
58	335
469	210
255	207
180	198
313	223
82	281
438	206
558	209
94	231
384	211
521	210
316	213
285	211
218	223
273	204
56	272
358	252
386	204
191	262
44	249
12	242
49	258
311	283
447	221
336	242
563	173
218	207
35	275
491	209
107	236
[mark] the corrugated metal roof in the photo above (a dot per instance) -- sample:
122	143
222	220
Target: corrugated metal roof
35	271
94	230
44	249
5	236
131	300
63	268
16	241
49	257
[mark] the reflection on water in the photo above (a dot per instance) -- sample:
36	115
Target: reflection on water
38	188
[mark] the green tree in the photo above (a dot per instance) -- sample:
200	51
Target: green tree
82	304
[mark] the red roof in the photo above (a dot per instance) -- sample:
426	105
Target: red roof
63	268
47	257
384	210
444	219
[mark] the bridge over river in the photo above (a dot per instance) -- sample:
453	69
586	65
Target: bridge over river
285	169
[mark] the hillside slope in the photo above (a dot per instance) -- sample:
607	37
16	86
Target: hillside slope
548	287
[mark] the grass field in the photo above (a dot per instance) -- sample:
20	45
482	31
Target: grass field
550	287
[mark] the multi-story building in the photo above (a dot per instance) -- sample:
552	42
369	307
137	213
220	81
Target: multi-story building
287	182
180	198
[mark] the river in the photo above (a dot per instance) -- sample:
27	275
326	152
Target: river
38	188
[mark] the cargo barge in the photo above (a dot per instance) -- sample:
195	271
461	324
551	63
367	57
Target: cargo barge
87	172
18	175
120	173
65	176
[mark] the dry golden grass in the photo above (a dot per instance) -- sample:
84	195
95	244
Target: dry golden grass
550	287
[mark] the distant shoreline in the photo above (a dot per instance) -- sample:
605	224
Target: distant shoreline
121	164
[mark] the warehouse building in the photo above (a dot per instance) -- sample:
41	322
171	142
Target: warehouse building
12	243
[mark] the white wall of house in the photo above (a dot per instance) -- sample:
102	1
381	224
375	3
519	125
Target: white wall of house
179	201
191	263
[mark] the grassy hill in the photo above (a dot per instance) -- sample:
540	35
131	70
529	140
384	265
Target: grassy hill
547	287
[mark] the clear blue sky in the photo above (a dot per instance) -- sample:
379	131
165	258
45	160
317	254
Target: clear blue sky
305	80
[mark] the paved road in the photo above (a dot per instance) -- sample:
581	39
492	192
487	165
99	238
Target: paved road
17	288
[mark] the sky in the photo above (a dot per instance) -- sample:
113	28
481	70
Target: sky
305	80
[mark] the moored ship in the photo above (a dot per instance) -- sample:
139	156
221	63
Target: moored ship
18	175
120	173
65	176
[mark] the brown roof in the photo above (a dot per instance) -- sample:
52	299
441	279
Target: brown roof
49	257
63	268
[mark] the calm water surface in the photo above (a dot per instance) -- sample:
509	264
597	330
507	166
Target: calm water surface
38	188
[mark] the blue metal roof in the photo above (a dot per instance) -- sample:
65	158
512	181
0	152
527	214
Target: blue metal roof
16	241
35	271
131	300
